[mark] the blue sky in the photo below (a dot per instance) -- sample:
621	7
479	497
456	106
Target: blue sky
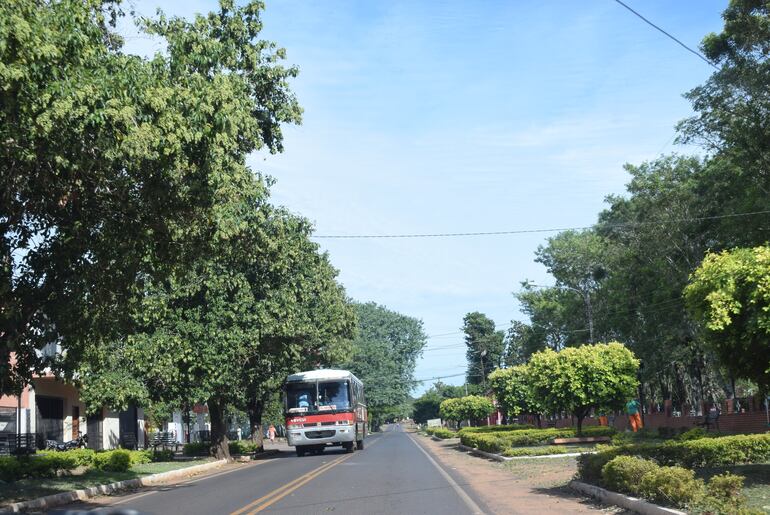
428	116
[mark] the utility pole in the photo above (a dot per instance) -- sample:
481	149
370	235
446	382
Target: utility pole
483	375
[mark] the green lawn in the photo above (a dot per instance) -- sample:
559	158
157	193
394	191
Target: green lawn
32	488
757	485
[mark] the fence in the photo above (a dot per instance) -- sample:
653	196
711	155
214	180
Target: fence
12	443
744	416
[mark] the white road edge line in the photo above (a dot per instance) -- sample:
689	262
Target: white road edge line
457	488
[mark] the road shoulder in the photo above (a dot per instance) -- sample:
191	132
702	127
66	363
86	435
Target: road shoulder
526	487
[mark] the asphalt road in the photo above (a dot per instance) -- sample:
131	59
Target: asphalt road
391	475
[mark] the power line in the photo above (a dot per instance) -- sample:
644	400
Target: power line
670	36
531	231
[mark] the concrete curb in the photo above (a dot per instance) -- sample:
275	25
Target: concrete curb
485	454
624	501
437	439
564	455
51	501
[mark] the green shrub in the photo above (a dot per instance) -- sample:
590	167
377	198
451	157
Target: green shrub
499	440
674	486
696	433
590	465
541	451
118	460
76	457
10	469
724	494
495	429
242	447
140	457
163	455
624	473
703	452
441	432
195	449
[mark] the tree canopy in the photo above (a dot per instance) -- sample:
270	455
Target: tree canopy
484	346
113	166
578	379
514	393
426	407
384	353
471	407
730	295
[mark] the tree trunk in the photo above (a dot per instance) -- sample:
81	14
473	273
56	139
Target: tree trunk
255	409
219	447
580	415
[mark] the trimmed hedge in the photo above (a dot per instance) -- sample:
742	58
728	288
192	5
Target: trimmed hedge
498	441
441	432
114	461
495	429
235	447
542	451
676	486
705	452
242	447
196	449
625	473
46	464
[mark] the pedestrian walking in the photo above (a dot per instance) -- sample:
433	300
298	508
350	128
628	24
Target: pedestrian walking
633	408
271	433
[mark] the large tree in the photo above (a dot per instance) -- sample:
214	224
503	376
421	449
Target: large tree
226	331
426	406
112	165
731	112
579	261
484	344
579	379
385	351
470	407
730	294
514	393
305	319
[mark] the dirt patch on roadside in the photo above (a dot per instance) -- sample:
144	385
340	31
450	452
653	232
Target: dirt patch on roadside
527	486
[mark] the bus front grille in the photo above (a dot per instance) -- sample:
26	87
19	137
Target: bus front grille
319	434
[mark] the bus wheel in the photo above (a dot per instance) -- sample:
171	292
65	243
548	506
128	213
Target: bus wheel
360	444
300	451
348	446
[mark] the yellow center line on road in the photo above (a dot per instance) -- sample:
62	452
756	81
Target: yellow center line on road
278	494
281	492
307	475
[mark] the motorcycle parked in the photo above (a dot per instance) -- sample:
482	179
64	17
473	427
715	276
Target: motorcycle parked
79	443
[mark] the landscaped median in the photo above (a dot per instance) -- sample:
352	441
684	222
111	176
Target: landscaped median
698	475
441	432
509	440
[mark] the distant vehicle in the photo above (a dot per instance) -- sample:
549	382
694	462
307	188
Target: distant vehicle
324	407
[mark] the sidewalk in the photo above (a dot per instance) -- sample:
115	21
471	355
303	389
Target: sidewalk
527	486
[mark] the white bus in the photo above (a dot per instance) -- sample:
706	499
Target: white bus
322	408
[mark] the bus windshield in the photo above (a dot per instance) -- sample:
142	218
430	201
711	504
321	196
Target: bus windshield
300	397
314	397
333	395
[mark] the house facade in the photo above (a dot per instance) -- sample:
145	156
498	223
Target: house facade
50	409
